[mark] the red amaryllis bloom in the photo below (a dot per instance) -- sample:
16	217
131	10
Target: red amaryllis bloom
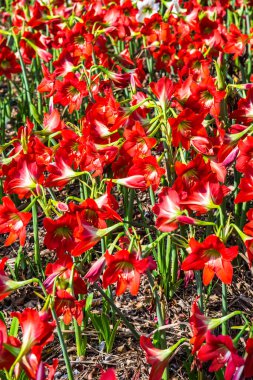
136	181
167	210
244	160
246	187
159	359
60	272
23	178
47	83
125	269
32	44
70	92
248	369
163	90
67	306
61	171
213	257
186	125
137	142
96	270
37	331
6	358
205	196
8	62
108	375
149	168
13	221
236	42
221	351
60	233
244	112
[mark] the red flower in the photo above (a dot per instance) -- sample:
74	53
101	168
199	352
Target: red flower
13	221
248	370
108	375
60	233
163	90
125	269
246	187
221	351
8	62
167	210
137	142
6	358
37	331
159	359
23	178
213	257
244	112
149	168
70	92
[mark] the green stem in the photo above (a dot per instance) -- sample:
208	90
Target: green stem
224	307
121	315
199	290
37	257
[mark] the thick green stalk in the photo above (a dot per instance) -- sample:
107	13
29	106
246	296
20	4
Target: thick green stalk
224	307
121	315
37	257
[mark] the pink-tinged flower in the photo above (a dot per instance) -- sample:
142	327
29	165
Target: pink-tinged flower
23	178
13	221
167	210
61	172
213	257
248	369
133	182
96	270
205	196
6	358
108	375
125	269
221	351
163	90
37	331
159	359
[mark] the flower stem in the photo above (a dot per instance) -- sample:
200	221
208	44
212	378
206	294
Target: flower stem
110	301
224	307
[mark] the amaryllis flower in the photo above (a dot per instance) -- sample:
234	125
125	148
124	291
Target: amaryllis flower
95	270
246	187
248	369
13	221
205	196
108	375
200	324
163	90
37	330
23	178
7	358
70	92
221	351
146	8
167	210
136	181
68	307
150	169
8	62
159	359
137	142
60	233
213	257
61	172
244	112
125	269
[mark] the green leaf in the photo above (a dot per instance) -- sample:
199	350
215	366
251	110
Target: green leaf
34	113
112	337
14	327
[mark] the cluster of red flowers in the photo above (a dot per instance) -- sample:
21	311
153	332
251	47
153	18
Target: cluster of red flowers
122	99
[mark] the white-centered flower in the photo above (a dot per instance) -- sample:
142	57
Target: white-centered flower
146	9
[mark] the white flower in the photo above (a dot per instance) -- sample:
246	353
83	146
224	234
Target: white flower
146	9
